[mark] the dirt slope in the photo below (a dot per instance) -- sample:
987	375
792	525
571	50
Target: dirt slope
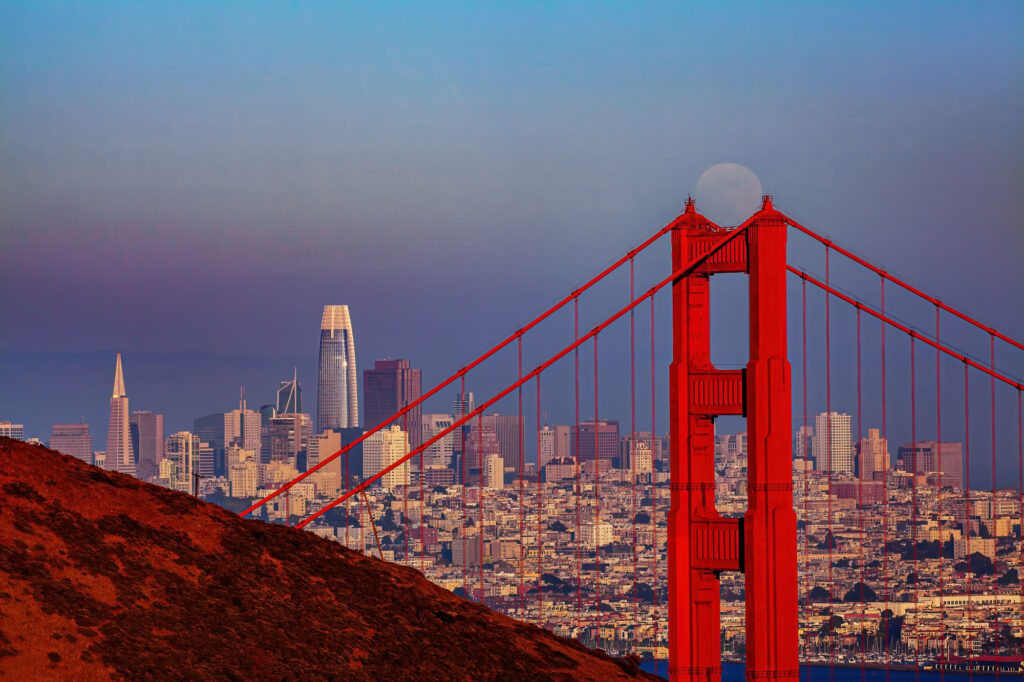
103	576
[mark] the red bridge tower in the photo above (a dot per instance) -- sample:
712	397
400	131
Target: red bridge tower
702	543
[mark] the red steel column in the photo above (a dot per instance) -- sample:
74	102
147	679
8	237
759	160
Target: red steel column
694	618
770	522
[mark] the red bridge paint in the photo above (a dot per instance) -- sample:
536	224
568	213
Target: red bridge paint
701	542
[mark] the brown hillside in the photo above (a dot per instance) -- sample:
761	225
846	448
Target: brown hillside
103	576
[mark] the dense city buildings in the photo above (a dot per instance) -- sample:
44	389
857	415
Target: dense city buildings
147	431
12	430
387	388
629	442
119	454
337	397
944	460
72	439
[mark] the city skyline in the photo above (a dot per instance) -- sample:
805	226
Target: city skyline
845	458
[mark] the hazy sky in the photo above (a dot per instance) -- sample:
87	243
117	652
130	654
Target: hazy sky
189	182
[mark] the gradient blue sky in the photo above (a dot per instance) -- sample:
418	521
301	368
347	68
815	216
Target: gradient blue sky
189	182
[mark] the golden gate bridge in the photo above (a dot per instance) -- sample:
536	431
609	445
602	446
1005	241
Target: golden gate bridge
701	543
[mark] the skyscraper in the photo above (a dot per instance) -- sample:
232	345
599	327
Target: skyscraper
72	439
507	428
286	439
182	450
119	438
463	405
242	427
337	394
387	388
545	445
607	441
833	443
872	455
147	431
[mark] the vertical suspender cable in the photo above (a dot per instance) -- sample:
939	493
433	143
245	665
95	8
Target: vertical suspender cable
885	501
967	507
1020	495
522	500
405	492
656	547
938	485
860	502
576	455
540	520
830	537
597	504
993	507
480	495
423	507
806	453
464	408
632	447
913	502
347	488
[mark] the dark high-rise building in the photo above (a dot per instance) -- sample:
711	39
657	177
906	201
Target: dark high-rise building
72	439
289	396
337	395
387	388
607	441
210	429
463	405
505	429
147	431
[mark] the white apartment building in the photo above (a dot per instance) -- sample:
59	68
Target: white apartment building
833	442
381	450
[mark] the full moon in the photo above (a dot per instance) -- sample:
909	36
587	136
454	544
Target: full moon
728	193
